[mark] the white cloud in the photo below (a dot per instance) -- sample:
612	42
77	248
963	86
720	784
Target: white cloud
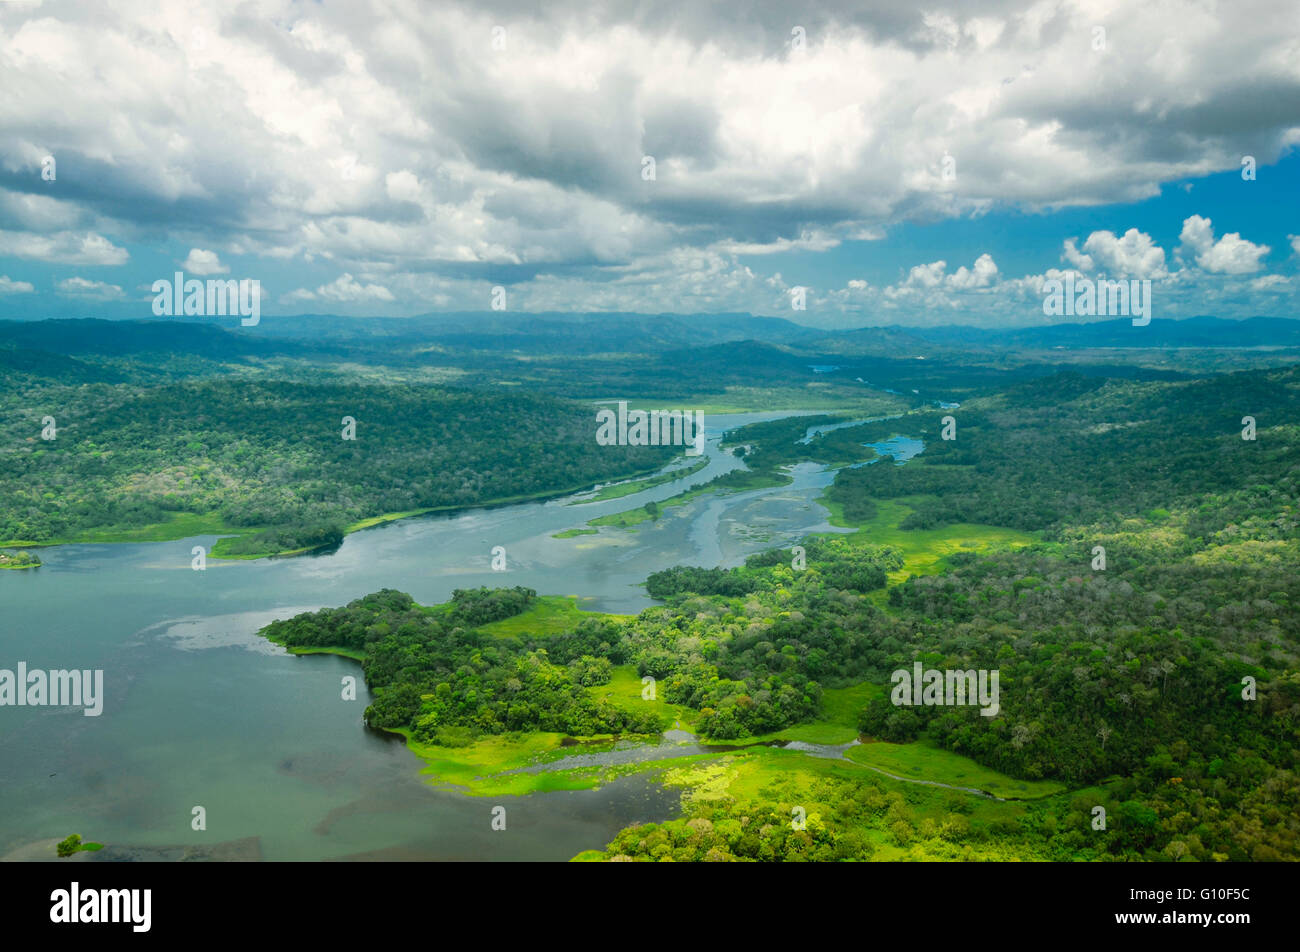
343	290
981	276
1076	257
1134	255
1231	254
93	290
388	139
932	276
8	286
808	241
204	262
65	247
1271	282
294	120
926	275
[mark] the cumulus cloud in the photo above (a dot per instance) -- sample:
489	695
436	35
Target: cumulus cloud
1076	257
62	248
1231	254
8	286
343	290
92	290
1209	278
980	276
926	275
291	120
1134	255
204	262
390	140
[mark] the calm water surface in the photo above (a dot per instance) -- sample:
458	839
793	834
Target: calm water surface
200	711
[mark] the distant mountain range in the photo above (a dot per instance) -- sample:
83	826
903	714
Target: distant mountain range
612	332
694	339
1191	332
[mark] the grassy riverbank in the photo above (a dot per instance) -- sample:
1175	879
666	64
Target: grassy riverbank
184	525
769	804
619	490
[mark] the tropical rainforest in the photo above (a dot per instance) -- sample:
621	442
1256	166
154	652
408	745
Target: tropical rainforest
1114	531
1144	626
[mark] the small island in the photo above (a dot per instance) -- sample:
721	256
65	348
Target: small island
73	844
20	559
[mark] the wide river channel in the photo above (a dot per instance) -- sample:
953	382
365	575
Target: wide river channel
200	711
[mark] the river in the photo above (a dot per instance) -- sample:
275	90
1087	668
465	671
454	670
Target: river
200	711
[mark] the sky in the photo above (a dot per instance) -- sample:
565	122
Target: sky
836	164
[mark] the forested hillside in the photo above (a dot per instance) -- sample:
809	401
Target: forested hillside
1070	449
272	455
1148	644
1106	541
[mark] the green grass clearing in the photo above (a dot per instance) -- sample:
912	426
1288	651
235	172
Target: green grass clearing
551	615
624	692
924	550
838	724
923	760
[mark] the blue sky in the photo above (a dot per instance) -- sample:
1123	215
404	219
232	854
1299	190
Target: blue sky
881	165
1264	210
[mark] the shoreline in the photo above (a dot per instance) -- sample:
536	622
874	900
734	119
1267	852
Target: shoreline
187	525
156	532
247	849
